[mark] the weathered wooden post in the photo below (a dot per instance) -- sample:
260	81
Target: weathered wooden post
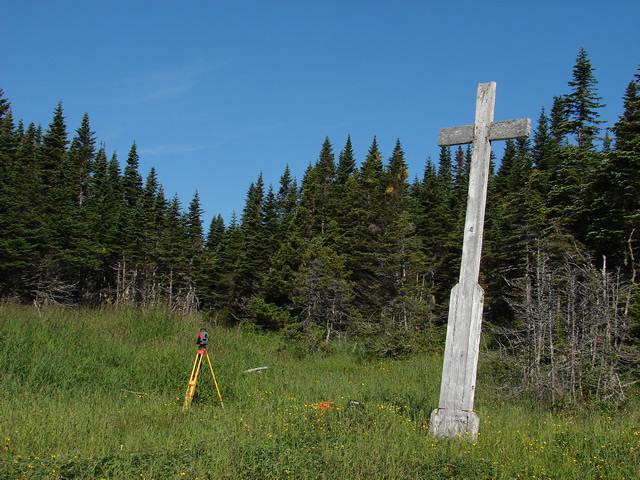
454	415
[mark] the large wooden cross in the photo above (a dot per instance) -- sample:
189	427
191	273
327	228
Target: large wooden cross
454	416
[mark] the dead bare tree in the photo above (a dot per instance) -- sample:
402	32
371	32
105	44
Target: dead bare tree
572	337
49	285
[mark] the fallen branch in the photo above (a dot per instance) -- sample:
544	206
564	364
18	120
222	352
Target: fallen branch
134	393
629	384
259	369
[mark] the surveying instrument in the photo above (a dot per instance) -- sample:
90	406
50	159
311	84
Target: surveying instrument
202	341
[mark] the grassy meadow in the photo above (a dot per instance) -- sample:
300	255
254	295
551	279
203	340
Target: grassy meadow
99	394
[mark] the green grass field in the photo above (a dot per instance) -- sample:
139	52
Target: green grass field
99	394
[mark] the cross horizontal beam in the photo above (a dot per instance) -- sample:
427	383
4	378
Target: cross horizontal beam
502	130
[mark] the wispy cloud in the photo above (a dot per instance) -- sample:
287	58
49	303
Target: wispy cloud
167	91
172	149
164	83
242	132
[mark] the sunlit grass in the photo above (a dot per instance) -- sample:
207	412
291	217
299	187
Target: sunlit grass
99	395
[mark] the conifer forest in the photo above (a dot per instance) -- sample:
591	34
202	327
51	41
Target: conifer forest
356	251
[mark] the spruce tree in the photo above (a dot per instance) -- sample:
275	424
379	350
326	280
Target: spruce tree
559	120
74	226
5	105
392	238
228	290
323	295
172	261
270	224
307	215
508	230
616	212
371	189
326	163
434	225
346	163
15	248
396	187
247	257
112	208
9	139
81	155
54	147
445	171
570	198
286	197
627	128
453	184
541	149
104	207
8	151
194	240
132	213
132	181
212	245
573	182
371	173
343	193
129	241
98	185
501	180
324	176
252	214
582	103
215	234
54	207
363	234
193	226
150	226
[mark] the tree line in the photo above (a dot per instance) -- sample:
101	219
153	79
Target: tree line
355	251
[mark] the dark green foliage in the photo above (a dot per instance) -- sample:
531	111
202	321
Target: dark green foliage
440	218
615	218
215	235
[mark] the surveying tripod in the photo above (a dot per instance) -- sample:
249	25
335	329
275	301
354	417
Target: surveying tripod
203	340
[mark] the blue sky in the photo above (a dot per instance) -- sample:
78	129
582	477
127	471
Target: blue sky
213	93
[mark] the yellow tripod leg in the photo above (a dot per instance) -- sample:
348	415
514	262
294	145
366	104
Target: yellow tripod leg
193	380
214	379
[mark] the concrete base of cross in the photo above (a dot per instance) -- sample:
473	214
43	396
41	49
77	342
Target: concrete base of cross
454	424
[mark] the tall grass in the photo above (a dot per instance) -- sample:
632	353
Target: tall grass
98	394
